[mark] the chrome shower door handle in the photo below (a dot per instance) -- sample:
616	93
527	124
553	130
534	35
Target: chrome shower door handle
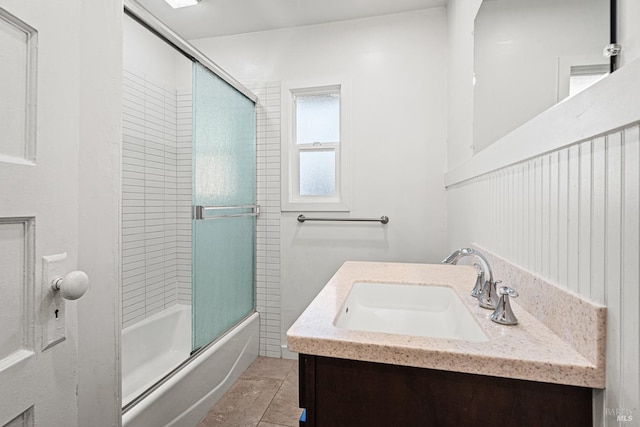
199	212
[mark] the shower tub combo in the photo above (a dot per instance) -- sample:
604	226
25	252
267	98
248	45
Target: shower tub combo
151	350
189	228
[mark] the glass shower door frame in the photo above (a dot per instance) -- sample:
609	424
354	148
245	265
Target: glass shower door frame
224	199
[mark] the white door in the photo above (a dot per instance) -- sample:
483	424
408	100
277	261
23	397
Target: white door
39	128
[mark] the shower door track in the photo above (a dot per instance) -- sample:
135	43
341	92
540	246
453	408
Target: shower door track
148	20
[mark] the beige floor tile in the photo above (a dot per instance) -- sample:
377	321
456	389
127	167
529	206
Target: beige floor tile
284	409
269	367
263	424
244	404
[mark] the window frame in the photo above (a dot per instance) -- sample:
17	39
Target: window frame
291	199
564	70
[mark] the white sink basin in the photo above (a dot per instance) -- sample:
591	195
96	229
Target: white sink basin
427	311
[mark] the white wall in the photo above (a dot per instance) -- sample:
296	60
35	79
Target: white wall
145	53
562	202
397	130
460	16
99	182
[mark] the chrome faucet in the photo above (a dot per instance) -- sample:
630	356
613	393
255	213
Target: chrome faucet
484	290
456	255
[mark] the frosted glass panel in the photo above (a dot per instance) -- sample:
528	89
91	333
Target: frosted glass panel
224	275
317	118
317	173
224	175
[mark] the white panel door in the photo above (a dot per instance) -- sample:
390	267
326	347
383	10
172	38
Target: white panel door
39	128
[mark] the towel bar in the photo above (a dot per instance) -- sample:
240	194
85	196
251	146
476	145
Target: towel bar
383	219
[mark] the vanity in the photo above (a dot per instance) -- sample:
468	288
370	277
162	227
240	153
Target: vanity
354	375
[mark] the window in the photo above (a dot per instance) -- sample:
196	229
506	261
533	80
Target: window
583	76
577	72
314	146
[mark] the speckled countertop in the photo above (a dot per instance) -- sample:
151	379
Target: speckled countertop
529	350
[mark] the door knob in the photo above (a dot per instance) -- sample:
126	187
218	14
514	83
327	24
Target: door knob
72	286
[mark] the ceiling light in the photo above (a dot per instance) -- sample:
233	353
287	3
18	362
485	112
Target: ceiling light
182	3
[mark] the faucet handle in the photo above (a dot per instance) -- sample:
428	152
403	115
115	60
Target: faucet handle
503	313
479	281
509	291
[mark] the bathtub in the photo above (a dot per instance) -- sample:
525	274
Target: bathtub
155	346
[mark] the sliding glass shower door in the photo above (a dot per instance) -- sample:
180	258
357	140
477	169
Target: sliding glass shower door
224	198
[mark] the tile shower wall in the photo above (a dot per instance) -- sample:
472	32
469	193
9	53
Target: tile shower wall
572	217
268	225
154	232
184	185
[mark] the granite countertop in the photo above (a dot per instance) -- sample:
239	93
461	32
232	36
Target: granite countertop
528	350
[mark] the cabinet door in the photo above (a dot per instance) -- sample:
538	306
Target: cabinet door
349	393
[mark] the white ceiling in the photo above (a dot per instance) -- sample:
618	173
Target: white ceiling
212	18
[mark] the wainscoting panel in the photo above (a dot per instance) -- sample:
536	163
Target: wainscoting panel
571	216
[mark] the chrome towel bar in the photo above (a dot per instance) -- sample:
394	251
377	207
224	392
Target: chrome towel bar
199	211
383	219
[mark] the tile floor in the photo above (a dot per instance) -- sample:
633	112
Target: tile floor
266	395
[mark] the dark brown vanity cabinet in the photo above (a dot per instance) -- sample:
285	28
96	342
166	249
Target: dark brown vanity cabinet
349	393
